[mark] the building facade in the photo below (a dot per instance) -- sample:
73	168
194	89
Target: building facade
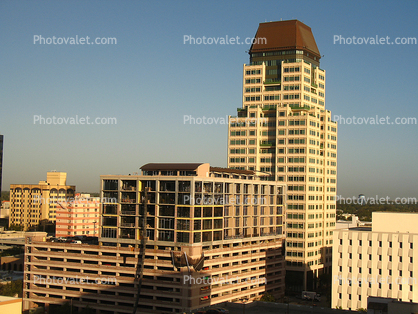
32	203
376	261
201	236
78	217
284	132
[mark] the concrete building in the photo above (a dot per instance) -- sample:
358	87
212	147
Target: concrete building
10	305
5	209
387	306
346	224
284	132
32	203
78	217
211	235
376	261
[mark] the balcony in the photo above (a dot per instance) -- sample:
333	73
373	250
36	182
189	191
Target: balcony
128	212
127	224
301	107
127	234
272	82
129	185
267	144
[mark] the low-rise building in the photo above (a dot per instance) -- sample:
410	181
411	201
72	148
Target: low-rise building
32	203
78	216
380	261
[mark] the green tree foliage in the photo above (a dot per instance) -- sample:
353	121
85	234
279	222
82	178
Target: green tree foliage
12	251
267	297
12	288
5	196
16	227
364	212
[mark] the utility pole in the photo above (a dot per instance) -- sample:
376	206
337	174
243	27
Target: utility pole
141	260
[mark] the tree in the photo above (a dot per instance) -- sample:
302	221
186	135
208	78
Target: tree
267	297
16	227
12	288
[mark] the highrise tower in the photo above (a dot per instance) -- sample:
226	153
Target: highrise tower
284	132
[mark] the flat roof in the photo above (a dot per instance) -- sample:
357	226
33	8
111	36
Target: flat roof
229	170
171	166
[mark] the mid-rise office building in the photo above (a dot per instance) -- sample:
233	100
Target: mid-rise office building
78	217
285	134
199	235
376	262
31	204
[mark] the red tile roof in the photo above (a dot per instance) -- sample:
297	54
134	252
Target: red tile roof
285	35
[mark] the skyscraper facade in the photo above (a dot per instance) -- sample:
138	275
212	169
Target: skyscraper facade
284	133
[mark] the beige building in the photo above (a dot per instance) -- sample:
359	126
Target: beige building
5	209
376	261
212	235
32	203
284	132
10	305
78	217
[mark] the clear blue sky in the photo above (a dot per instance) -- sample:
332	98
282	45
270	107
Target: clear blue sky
149	80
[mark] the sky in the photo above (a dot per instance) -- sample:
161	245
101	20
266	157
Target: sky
151	79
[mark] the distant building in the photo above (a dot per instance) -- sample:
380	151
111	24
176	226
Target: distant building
345	224
32	203
380	261
5	209
78	217
212	235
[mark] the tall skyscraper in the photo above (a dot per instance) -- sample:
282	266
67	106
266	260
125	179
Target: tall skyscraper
1	160
284	132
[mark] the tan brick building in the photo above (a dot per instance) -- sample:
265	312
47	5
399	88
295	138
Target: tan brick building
32	203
